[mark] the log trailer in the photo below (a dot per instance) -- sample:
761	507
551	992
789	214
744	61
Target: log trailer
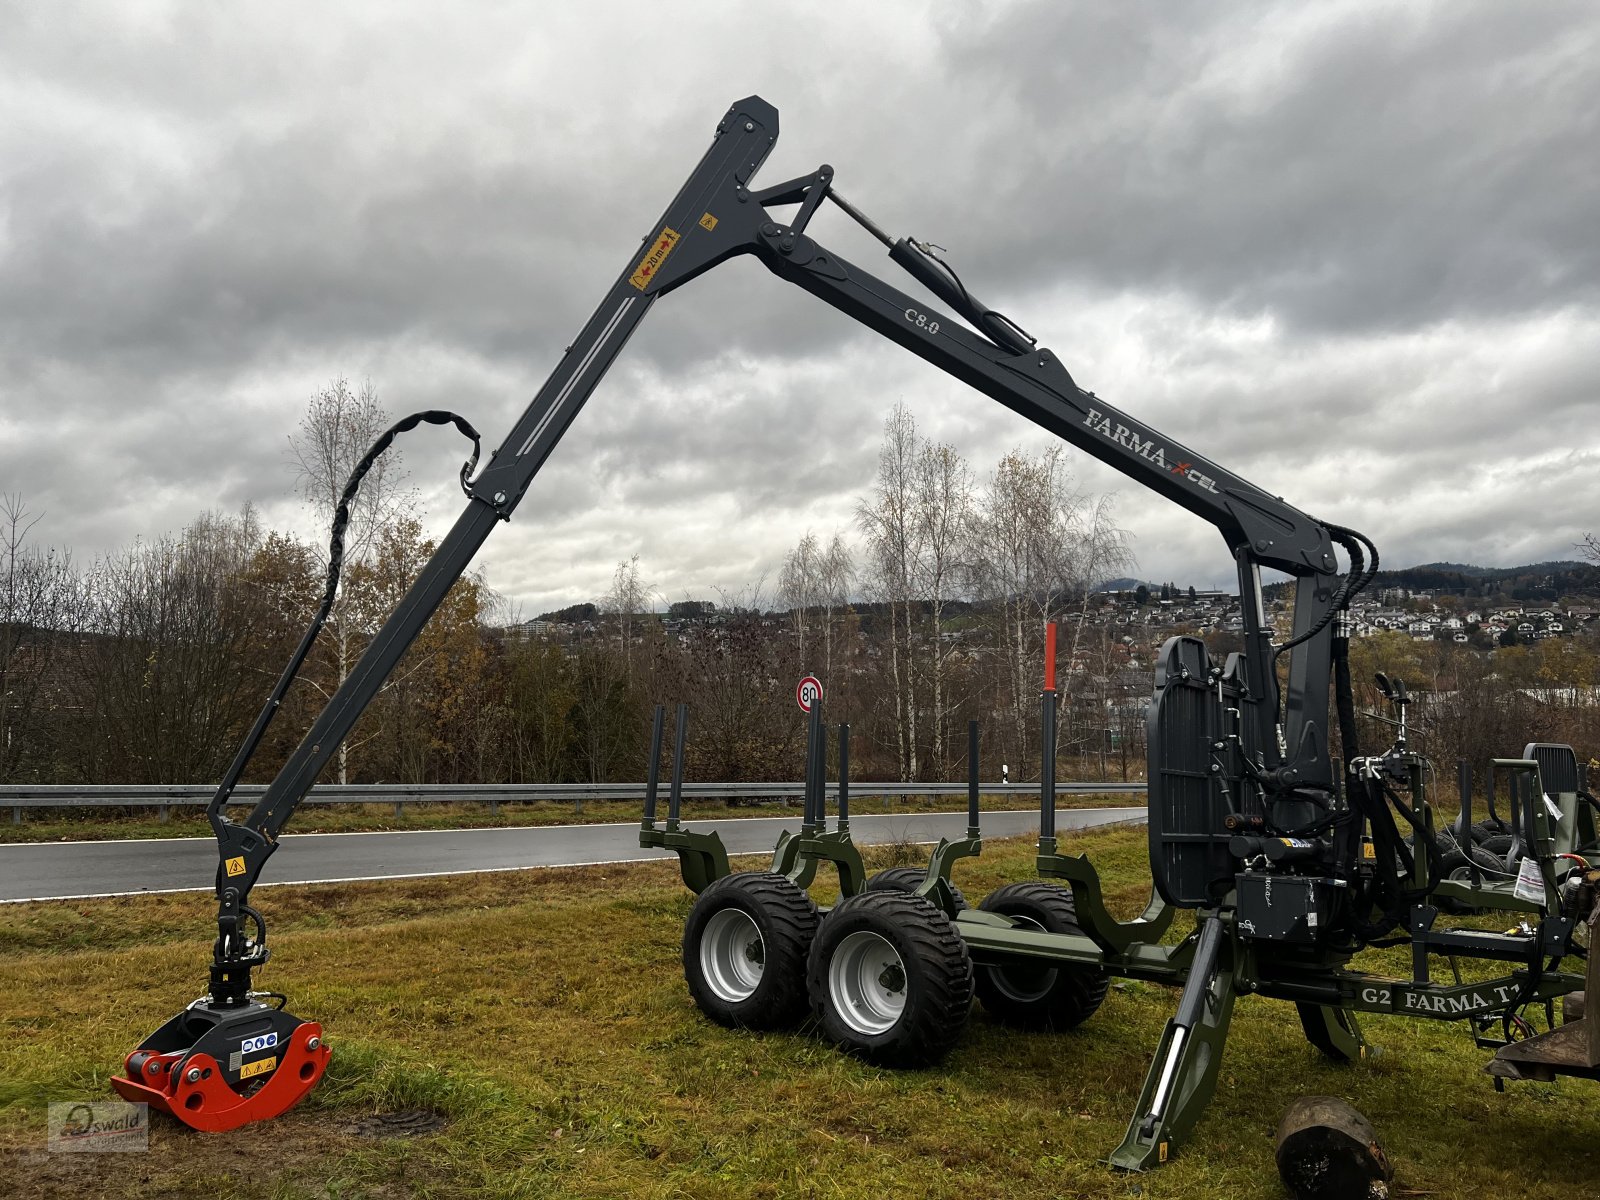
1290	860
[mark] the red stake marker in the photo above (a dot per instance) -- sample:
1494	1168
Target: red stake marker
1050	656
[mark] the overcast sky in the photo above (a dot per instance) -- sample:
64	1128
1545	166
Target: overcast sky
1347	250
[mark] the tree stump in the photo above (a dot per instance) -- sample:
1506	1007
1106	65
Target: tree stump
1329	1151
1572	1006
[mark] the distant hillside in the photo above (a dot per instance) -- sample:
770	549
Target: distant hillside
1546	581
1543	583
1458	568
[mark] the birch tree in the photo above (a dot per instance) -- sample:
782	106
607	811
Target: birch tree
1038	545
1007	547
627	600
815	584
835	575
888	518
800	585
943	516
338	428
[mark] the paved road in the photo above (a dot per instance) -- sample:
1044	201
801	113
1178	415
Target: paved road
81	870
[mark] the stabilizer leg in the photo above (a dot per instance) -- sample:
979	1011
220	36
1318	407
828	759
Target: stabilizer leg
1183	1076
1334	1031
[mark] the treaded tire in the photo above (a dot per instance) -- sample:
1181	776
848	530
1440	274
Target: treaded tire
907	879
1488	829
1492	865
1445	838
1033	995
1498	845
744	950
1454	867
911	949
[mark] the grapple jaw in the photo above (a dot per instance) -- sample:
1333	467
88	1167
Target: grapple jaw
216	1067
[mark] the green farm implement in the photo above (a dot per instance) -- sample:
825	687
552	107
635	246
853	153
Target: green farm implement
1291	860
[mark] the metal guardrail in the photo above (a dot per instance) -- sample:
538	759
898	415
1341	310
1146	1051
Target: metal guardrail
161	795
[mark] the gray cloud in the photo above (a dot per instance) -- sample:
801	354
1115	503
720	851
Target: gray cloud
1346	250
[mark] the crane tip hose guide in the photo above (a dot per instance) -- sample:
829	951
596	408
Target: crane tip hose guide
1248	808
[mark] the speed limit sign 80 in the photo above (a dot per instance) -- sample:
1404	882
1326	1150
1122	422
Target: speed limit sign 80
808	692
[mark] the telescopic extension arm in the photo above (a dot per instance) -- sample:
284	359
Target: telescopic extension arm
716	216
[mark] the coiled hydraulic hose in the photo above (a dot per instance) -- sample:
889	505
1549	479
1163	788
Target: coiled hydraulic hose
341	521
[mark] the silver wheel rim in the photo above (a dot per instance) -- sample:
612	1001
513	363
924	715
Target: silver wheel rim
867	983
732	955
1023	982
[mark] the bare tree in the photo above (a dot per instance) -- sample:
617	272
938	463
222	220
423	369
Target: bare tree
603	711
800	584
894	540
338	428
943	517
1008	548
40	603
736	678
540	695
628	599
835	574
165	688
1095	549
1039	545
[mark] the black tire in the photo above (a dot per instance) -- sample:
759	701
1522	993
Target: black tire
1035	995
1493	866
890	979
744	950
1445	838
908	879
1454	867
1498	845
1487	829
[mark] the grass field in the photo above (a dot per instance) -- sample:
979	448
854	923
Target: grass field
87	824
543	1014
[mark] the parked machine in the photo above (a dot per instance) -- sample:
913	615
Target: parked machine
1290	861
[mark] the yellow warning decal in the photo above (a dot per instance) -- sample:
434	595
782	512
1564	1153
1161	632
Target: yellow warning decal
260	1067
234	866
1368	850
1161	1152
654	257
708	222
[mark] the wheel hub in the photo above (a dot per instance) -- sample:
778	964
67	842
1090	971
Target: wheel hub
732	955
1024	982
867	983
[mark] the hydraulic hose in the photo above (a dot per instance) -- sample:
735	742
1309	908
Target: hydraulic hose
341	521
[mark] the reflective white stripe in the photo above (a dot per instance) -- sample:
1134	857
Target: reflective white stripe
588	358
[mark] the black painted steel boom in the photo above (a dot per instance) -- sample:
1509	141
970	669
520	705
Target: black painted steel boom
716	216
